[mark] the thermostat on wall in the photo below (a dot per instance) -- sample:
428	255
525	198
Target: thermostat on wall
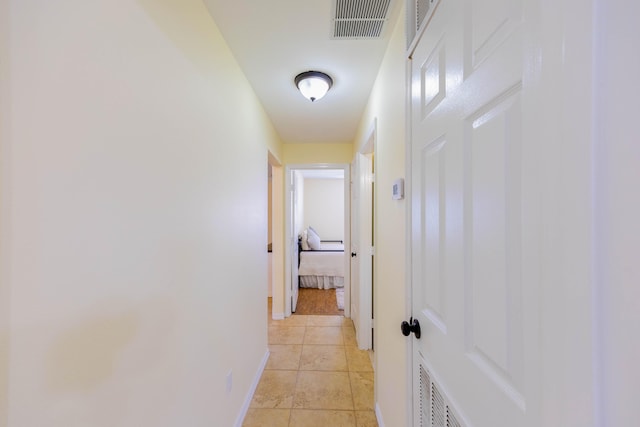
398	189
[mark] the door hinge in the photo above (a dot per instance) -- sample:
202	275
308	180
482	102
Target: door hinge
372	251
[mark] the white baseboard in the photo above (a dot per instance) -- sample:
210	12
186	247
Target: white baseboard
277	316
379	417
254	385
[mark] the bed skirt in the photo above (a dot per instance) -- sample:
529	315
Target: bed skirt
321	282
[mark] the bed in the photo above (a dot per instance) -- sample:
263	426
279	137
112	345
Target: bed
321	267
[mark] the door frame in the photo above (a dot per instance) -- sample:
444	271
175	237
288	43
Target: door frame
289	240
364	226
277	235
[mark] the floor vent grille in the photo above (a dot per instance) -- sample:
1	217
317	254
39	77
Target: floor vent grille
359	19
452	421
435	408
438	408
425	396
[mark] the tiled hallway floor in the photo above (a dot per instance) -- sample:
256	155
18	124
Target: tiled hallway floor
315	376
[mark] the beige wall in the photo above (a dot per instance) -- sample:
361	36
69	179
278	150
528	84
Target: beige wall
324	207
135	169
317	153
387	107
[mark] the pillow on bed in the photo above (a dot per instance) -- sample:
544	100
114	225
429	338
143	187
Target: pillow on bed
304	241
313	239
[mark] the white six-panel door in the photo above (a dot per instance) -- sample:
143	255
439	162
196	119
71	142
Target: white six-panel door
467	221
363	299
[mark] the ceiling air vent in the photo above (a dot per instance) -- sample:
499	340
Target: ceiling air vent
359	19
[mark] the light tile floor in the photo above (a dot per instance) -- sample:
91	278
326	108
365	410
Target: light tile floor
315	376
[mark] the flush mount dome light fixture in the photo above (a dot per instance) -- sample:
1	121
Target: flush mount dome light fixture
313	84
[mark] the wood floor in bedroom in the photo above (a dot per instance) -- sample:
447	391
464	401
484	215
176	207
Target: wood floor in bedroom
317	301
315	376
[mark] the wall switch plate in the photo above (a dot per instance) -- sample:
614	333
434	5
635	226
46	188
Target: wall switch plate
398	189
229	381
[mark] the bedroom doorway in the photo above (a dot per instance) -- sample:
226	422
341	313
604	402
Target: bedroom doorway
317	213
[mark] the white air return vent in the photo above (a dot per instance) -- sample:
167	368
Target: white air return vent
422	9
425	396
435	408
452	420
359	19
418	11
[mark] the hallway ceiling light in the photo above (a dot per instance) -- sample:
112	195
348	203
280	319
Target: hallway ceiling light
313	84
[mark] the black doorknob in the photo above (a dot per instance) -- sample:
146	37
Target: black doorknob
411	326
353	254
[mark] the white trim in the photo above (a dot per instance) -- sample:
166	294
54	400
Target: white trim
368	143
379	416
366	220
408	249
252	390
277	230
347	231
277	316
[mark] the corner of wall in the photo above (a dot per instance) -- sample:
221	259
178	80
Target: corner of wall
252	390
379	416
385	114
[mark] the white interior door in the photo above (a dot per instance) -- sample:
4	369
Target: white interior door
294	207
355	230
363	291
467	227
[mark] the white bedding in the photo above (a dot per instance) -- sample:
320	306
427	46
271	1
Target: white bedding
332	247
320	269
321	282
316	263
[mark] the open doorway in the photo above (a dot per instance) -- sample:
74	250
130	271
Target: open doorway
317	267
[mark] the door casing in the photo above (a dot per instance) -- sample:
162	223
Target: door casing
291	240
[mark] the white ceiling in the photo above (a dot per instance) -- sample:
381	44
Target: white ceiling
274	40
